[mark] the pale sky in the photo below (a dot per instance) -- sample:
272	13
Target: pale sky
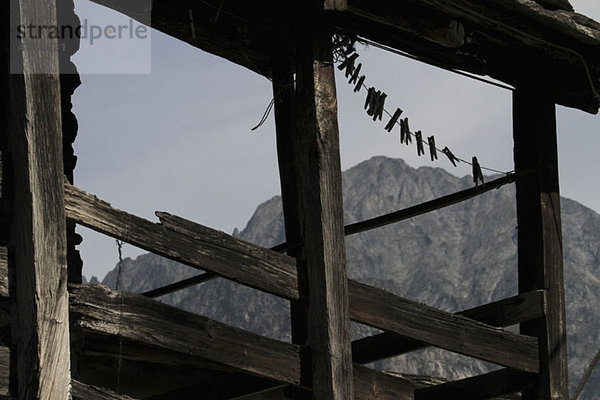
178	139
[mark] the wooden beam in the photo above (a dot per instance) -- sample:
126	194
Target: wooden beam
427	206
559	46
282	392
540	255
553	43
4	371
188	243
37	237
234	31
320	212
3	272
81	391
95	311
193	244
284	93
459	334
502	313
179	285
486	386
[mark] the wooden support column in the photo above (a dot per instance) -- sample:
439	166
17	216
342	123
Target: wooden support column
540	255
313	171
40	367
284	95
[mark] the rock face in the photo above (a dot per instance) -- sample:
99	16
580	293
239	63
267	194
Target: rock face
456	258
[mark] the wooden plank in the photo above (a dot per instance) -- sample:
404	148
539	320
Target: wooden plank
95	311
540	255
179	285
427	206
202	247
183	241
456	333
502	313
321	215
4	370
81	391
37	237
486	386
3	272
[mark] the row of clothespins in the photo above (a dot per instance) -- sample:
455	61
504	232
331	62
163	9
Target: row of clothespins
375	107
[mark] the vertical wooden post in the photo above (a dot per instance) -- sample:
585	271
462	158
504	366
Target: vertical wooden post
540	239
284	95
320	213
37	239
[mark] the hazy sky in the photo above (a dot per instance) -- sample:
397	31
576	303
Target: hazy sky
178	139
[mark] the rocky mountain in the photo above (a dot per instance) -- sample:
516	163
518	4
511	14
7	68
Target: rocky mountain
456	258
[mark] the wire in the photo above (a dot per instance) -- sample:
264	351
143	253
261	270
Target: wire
456	71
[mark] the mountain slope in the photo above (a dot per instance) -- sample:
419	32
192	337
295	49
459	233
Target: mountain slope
456	258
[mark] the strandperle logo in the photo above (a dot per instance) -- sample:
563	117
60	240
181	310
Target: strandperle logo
85	31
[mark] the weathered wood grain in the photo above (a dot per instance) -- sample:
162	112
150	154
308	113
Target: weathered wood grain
540	255
3	272
95	311
444	330
502	313
323	251
202	247
37	236
487	386
183	241
4	370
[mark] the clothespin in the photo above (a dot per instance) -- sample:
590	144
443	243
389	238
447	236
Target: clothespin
390	125
375	103
355	74
432	149
348	64
405	131
477	174
450	156
420	149
359	84
368	100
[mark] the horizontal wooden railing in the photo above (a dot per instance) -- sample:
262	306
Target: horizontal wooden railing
207	249
98	311
514	310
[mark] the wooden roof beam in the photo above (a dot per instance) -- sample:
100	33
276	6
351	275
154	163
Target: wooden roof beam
517	42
